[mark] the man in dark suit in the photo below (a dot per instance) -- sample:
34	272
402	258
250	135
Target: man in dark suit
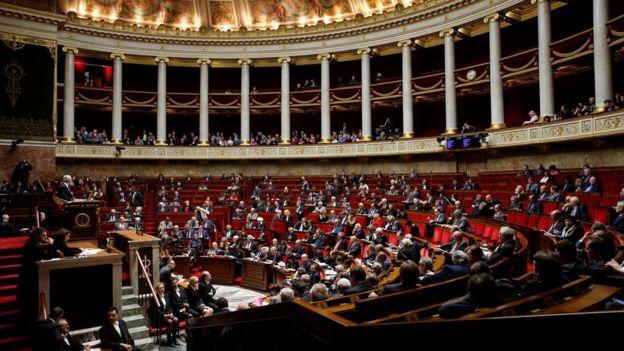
618	222
557	223
7	229
137	198
47	332
114	333
67	343
457	243
355	247
409	250
165	272
575	209
63	192
481	293
358	281
408	272
534	206
450	271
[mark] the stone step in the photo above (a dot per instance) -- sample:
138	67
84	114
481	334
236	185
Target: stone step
139	332
131	309
128	300
146	344
127	290
135	321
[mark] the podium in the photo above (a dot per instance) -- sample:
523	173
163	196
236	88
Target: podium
82	218
256	275
148	247
221	268
85	286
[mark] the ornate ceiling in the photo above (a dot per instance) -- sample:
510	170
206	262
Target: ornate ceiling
226	14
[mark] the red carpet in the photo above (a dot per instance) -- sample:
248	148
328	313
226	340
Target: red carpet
12	243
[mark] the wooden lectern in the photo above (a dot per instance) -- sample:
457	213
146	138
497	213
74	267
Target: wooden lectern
221	268
256	274
82	218
148	247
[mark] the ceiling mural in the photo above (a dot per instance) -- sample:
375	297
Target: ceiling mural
221	14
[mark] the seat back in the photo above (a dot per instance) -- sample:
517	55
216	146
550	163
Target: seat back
532	220
437	235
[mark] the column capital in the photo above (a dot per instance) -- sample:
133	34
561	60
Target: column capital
404	43
70	49
201	61
533	2
447	32
245	61
284	59
367	51
118	55
495	17
326	56
160	59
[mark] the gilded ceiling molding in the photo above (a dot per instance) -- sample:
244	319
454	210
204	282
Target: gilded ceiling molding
201	61
118	55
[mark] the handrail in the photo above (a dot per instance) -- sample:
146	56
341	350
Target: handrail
42	303
149	282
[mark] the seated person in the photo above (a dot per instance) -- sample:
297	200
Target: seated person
547	274
408	273
163	316
482	292
61	238
458	268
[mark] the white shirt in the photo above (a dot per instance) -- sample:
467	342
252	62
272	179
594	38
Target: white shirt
116	325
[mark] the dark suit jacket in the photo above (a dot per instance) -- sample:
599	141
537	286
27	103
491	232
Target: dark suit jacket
137	199
411	252
458	307
7	230
355	249
535	207
73	345
66	250
618	223
207	292
461	246
358	288
63	192
580	212
110	339
392	288
447	272
47	335
177	302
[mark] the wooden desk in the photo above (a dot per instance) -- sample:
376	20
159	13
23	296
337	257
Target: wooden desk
85	286
127	241
256	275
221	268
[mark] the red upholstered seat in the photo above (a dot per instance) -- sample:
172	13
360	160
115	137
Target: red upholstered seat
512	216
446	235
487	233
495	234
601	215
522	219
479	228
437	235
544	222
532	221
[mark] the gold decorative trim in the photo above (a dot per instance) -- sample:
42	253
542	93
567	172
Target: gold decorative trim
406	42
325	141
161	142
367	138
70	49
284	59
495	126
160	59
407	136
245	61
450	131
327	56
245	143
364	51
201	61
285	142
118	55
116	142
491	18
447	32
68	140
204	143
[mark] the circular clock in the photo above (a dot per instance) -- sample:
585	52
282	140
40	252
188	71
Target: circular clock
82	220
471	75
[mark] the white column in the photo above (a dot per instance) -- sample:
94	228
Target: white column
546	77
117	104
161	114
449	81
366	95
68	95
602	55
245	135
325	108
497	109
406	80
285	99
204	64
